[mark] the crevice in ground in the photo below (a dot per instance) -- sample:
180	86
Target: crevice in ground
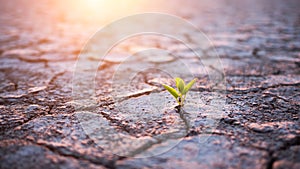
271	160
27	59
29	93
53	78
158	138
31	118
139	94
65	152
287	144
260	88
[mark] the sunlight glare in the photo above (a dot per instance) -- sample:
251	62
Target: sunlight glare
100	9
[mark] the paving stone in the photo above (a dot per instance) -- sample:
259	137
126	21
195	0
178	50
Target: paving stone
243	111
21	154
201	152
288	158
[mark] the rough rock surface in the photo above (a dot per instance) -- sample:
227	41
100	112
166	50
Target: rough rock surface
258	127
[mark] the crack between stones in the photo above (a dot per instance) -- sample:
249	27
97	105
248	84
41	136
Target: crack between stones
52	79
160	138
271	161
37	60
285	146
24	59
256	89
123	126
145	93
278	97
76	155
31	118
164	137
288	144
261	88
121	99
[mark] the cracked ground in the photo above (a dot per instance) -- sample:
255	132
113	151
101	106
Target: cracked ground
41	126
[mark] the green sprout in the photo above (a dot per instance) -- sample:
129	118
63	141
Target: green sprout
180	95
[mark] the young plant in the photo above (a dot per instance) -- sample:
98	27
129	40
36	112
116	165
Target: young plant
180	94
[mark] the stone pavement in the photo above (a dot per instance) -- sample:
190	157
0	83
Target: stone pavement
258	43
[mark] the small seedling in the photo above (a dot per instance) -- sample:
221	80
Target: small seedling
180	95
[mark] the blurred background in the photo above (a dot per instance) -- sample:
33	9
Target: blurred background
258	42
71	22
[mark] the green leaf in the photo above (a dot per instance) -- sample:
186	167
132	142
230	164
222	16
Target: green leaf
177	79
179	84
171	90
188	86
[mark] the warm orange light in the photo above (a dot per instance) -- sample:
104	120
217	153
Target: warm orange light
100	10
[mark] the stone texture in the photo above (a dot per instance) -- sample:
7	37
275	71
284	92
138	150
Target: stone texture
203	151
247	119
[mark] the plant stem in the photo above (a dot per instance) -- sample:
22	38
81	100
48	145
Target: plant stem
178	100
182	100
